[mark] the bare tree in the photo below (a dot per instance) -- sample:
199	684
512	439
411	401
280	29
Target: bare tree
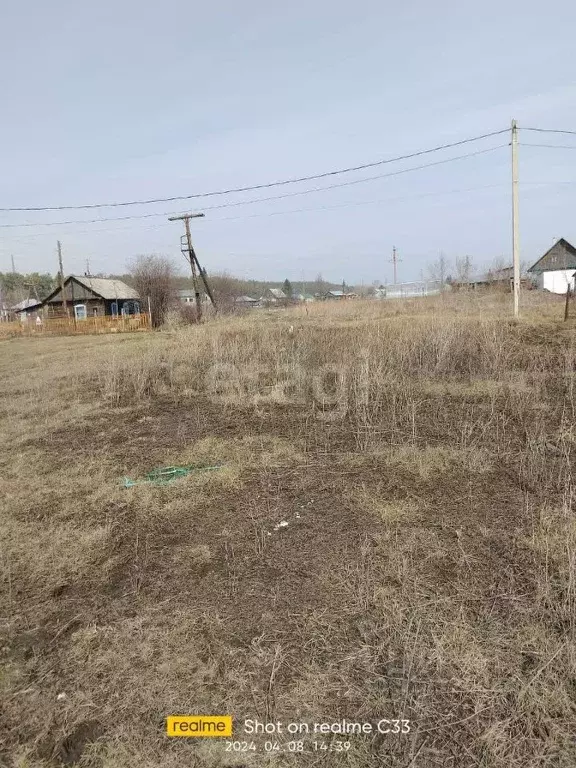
438	270
320	285
463	269
496	269
153	278
226	289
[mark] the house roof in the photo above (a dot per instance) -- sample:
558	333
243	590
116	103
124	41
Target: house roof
246	300
26	304
106	287
562	255
278	293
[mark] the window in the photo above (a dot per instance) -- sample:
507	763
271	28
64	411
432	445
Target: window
80	311
130	308
95	311
114	309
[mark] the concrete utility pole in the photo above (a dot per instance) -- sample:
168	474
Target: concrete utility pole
64	302
395	261
13	267
515	223
194	263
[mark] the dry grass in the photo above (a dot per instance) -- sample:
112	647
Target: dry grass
421	454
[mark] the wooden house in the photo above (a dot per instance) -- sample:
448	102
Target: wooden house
93	297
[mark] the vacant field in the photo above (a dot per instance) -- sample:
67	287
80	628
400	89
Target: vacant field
421	458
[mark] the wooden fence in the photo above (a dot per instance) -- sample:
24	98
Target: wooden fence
63	326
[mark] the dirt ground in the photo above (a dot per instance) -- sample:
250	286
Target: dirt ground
390	534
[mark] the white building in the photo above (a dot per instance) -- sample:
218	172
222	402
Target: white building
409	290
555	270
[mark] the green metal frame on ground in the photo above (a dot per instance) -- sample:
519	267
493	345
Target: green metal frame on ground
163	475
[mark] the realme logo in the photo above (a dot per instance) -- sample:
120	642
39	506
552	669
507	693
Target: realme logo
199	725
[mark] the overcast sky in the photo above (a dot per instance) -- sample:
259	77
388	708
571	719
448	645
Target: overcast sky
115	101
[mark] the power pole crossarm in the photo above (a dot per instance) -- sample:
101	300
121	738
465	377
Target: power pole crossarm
515	222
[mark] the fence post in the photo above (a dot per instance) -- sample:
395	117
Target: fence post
149	312
567	305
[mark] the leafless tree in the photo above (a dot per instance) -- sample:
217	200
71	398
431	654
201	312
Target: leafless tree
438	270
496	268
226	290
464	269
320	285
153	278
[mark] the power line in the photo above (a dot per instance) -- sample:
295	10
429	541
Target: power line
548	130
548	146
261	199
253	187
282	213
408	198
355	204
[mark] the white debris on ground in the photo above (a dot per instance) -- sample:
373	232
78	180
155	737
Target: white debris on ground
297	516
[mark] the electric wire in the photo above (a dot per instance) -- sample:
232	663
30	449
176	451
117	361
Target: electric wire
260	199
253	187
548	130
548	146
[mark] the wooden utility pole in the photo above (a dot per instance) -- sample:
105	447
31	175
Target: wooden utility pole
34	287
194	263
515	223
193	268
61	268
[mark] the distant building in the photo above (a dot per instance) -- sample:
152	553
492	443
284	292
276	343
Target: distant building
555	270
339	295
186	295
247	302
408	290
502	275
273	296
501	278
303	297
27	309
4	313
